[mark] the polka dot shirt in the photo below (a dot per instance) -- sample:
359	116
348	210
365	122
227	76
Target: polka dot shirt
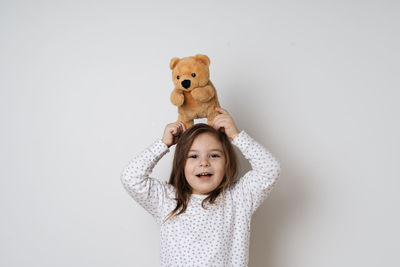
218	236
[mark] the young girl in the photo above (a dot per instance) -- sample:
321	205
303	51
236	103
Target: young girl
204	213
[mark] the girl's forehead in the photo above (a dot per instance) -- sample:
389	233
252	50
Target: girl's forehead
206	140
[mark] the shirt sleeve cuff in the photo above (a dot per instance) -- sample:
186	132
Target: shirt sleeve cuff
158	148
242	140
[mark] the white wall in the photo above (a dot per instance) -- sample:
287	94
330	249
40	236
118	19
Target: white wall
84	86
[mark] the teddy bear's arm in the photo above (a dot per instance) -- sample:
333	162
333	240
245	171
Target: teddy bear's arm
203	94
177	97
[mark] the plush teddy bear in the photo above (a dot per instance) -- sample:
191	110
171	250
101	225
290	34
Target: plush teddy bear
194	94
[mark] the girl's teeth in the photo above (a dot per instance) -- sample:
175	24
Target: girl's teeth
200	175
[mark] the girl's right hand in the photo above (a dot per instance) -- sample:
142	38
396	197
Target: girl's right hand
172	133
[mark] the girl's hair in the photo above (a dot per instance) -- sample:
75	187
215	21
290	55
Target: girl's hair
177	177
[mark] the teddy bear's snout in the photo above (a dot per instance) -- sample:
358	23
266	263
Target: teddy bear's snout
186	84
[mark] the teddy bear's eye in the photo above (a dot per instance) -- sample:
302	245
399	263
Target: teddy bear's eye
177	77
193	74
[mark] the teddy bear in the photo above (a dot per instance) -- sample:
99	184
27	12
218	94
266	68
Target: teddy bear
194	94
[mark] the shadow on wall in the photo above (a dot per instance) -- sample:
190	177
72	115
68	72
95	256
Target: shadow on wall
280	207
272	218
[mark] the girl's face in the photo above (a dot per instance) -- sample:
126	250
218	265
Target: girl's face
206	156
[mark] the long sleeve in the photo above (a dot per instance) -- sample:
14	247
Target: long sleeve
149	192
256	184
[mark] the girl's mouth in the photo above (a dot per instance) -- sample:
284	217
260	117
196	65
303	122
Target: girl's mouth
204	175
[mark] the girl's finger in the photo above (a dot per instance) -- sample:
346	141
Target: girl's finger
217	124
183	126
176	130
216	120
223	116
221	110
218	117
221	120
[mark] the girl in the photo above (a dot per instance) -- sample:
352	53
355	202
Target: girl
204	213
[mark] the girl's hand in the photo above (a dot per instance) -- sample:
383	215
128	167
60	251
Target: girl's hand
225	120
172	133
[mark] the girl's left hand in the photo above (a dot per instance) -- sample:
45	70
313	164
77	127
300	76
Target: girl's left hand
224	119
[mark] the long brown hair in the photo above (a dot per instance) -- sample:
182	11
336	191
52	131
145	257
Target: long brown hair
177	177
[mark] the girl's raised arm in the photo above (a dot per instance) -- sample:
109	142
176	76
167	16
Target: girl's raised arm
149	192
256	184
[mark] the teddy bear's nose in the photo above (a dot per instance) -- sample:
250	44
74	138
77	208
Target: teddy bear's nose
186	84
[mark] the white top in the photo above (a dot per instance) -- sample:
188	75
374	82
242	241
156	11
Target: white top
218	236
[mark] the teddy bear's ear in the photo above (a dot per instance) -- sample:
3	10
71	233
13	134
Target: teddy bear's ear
173	62
203	58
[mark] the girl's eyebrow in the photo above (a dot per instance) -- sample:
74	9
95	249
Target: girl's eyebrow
215	149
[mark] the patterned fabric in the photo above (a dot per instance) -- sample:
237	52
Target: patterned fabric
218	236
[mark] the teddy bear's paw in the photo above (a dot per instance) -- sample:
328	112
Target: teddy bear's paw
201	95
177	99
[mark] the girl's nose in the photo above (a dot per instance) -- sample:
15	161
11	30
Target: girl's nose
204	162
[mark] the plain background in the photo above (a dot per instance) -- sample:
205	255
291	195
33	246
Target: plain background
85	85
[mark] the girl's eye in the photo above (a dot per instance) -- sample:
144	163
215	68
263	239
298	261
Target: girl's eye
212	156
193	75
178	77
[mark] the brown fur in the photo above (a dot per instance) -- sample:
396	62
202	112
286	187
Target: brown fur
200	99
